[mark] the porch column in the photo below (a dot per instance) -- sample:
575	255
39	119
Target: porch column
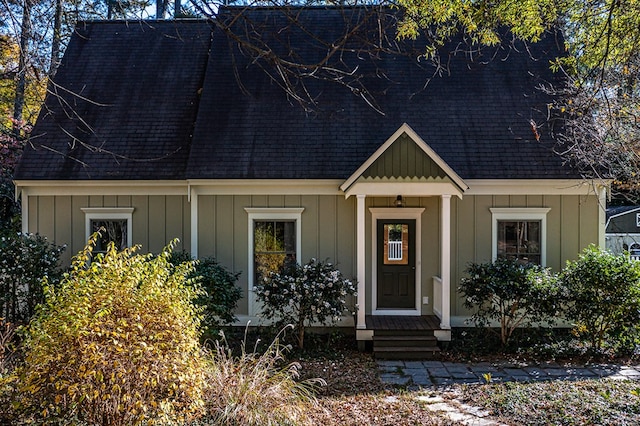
193	199
361	265
445	267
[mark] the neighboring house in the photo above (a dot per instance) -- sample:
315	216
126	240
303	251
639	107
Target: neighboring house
165	129
623	230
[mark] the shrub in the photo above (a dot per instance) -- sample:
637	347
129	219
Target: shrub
603	291
220	294
25	259
303	295
510	292
254	389
117	343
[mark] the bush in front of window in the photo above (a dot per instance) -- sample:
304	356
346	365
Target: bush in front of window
302	295
25	259
116	343
221	294
603	298
511	293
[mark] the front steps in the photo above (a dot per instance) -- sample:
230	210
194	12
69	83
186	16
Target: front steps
404	337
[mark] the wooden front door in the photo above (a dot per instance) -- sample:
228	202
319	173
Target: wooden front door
396	266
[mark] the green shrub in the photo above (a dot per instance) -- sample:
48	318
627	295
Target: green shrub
25	259
603	292
302	295
256	390
220	294
510	292
116	344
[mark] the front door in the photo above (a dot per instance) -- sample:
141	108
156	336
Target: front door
396	264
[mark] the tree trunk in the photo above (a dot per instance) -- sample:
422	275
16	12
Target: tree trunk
21	84
55	43
161	8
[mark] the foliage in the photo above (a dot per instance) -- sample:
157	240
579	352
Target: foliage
510	292
11	147
254	389
117	343
25	259
559	402
603	292
302	295
220	294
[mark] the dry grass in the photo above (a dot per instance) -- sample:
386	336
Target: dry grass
256	389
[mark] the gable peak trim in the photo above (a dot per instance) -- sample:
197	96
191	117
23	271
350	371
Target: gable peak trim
405	129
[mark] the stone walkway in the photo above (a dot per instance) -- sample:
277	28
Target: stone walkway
439	374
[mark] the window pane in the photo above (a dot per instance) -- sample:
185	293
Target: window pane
396	244
520	240
274	246
111	230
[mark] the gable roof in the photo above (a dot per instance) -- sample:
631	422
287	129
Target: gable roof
400	171
166	104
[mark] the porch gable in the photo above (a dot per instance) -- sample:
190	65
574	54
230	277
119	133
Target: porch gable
404	159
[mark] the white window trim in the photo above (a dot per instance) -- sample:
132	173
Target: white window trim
516	214
109	213
260	213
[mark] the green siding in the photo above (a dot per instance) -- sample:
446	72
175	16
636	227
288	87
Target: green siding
328	229
404	159
572	224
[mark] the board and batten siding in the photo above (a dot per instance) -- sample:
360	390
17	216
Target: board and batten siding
328	230
156	219
572	224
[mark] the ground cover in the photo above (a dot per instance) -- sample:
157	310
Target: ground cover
355	395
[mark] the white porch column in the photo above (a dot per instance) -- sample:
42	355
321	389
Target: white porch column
445	267
24	210
602	215
193	198
361	264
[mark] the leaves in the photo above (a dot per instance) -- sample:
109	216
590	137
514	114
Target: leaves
117	342
510	292
603	293
303	295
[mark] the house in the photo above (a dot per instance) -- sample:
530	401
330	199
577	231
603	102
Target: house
400	172
623	230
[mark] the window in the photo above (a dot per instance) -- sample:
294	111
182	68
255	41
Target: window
396	244
519	240
274	240
274	245
520	233
116	225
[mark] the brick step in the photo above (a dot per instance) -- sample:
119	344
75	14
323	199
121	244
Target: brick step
406	352
408	341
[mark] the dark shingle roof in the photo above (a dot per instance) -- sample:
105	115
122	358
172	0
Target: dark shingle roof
477	118
125	104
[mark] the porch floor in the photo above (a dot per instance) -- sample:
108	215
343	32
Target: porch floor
401	322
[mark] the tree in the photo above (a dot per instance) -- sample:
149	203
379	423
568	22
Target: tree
510	293
303	295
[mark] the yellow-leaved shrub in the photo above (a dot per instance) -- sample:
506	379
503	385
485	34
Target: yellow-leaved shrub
117	343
